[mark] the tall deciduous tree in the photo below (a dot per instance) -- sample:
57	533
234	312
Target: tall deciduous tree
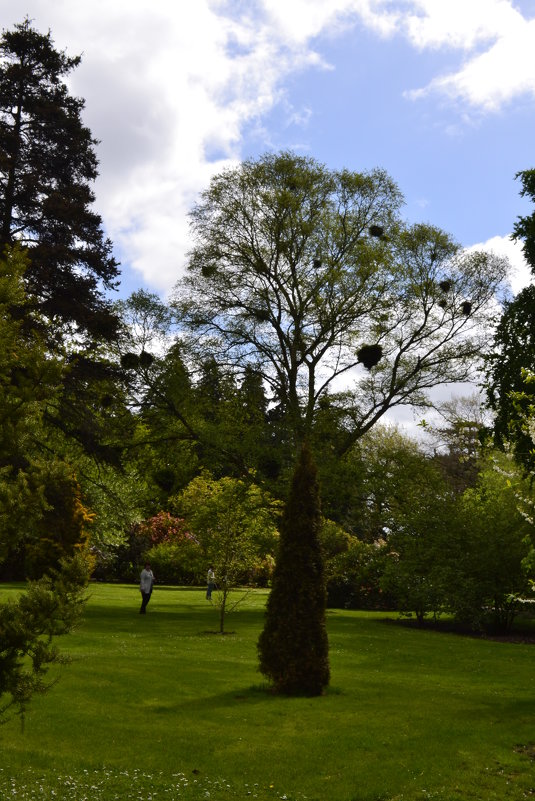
310	275
293	645
47	166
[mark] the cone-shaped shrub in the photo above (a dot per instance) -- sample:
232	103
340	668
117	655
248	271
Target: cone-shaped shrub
293	647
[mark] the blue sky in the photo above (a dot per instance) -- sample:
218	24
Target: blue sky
440	93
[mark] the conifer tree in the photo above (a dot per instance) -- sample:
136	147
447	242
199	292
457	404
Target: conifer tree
47	166
293	646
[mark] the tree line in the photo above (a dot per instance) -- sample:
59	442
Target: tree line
189	432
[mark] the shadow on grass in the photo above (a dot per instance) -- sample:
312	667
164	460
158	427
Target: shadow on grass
252	696
522	632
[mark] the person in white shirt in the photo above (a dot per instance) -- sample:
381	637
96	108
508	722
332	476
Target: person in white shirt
146	582
210	580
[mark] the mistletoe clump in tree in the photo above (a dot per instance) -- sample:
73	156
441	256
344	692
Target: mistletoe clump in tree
293	646
47	165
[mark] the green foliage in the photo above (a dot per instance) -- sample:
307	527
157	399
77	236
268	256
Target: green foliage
492	544
354	577
173	552
177	563
293	646
512	358
235	525
47	166
162	536
422	527
524	227
54	523
28	629
465	554
43	519
510	395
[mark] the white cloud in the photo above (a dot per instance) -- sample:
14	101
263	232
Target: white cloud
520	274
170	86
459	23
499	41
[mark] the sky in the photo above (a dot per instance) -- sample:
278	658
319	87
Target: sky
440	93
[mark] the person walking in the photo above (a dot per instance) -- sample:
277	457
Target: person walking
146	581
210	580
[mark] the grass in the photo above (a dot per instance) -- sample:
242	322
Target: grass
159	707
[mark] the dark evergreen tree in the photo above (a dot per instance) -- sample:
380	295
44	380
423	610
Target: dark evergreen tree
524	228
293	646
510	391
47	165
510	396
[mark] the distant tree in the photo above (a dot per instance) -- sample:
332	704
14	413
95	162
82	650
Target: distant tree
459	438
158	392
422	529
310	276
386	465
293	646
47	165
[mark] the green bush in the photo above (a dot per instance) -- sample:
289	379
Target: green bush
354	578
177	563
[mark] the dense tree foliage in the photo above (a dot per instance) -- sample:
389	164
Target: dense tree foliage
419	542
43	520
47	166
41	509
511	393
510	390
493	540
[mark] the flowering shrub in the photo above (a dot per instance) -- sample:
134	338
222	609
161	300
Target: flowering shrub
163	527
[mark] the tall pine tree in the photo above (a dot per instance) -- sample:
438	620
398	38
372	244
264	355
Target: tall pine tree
47	166
293	646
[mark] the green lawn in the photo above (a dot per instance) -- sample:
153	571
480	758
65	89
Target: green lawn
159	707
